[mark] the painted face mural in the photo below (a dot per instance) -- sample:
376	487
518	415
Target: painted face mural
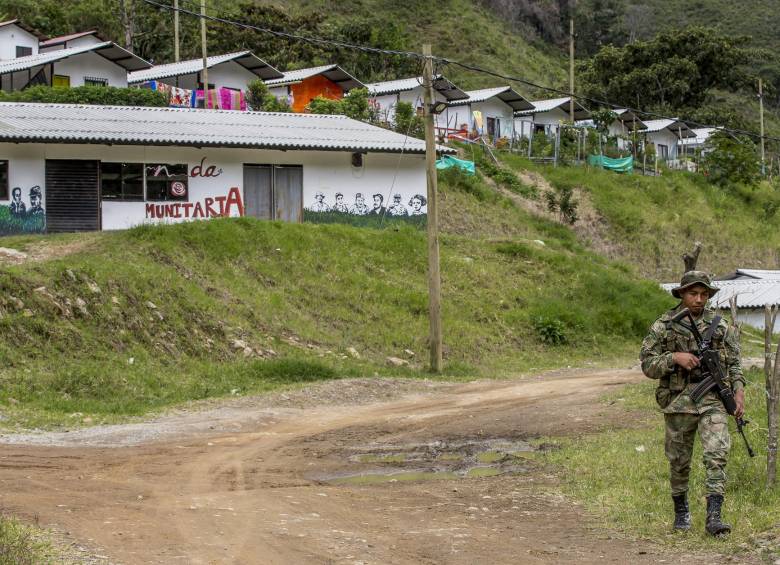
19	217
361	209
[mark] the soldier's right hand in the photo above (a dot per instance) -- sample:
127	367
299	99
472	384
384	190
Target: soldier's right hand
687	361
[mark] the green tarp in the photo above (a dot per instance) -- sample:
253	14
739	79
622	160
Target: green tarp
624	165
446	162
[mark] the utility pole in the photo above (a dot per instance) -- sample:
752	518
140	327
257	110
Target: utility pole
204	75
176	30
571	60
434	275
761	109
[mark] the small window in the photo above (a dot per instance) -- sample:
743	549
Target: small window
3	180
122	181
94	81
166	182
663	151
23	51
60	81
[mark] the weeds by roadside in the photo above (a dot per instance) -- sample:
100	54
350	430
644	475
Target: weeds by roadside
21	545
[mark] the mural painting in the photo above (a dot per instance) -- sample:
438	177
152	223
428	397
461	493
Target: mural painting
366	209
19	217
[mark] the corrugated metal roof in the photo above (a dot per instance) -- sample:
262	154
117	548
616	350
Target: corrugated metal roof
106	49
25	27
442	85
548	105
677	127
751	274
504	93
750	293
629	119
331	72
65	38
246	59
124	125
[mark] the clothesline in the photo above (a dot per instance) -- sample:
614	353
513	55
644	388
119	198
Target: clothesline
221	98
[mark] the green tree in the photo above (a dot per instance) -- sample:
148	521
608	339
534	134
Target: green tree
733	160
408	122
598	23
100	95
674	70
260	99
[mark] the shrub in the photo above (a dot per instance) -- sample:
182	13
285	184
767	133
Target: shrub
408	122
550	330
354	105
292	371
732	161
562	202
261	100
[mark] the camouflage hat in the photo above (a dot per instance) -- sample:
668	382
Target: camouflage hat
692	278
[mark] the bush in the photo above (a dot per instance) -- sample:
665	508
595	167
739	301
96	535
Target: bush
261	100
550	330
456	179
732	161
291	371
98	95
562	202
354	105
408	122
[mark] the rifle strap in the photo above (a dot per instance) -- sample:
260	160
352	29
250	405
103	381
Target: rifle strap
707	338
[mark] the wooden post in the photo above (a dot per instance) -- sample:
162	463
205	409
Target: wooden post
204	75
176	53
530	138
772	378
761	111
434	275
571	63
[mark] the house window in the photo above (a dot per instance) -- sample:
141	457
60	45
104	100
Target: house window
60	81
94	81
3	180
166	182
23	51
663	151
122	181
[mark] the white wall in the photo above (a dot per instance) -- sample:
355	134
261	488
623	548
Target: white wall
325	171
415	97
456	116
91	65
664	137
227	75
753	317
11	36
78	42
281	92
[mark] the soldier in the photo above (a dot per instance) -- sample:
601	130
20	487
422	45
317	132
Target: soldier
668	355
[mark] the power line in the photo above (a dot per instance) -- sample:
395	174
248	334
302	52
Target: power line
446	61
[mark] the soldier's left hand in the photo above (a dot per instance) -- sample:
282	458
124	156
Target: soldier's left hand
739	399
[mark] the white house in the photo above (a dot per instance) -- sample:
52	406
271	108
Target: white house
230	70
754	290
301	86
136	165
386	95
546	116
667	135
496	107
624	127
90	37
698	143
89	61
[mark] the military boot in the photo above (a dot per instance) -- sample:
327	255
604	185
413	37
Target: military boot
682	516
715	526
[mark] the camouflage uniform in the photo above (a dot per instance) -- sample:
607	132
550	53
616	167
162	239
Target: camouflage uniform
684	416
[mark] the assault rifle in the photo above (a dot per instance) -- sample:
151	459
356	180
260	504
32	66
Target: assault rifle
712	372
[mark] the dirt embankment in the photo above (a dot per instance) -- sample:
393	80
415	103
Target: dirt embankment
443	474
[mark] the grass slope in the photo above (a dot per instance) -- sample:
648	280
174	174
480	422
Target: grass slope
146	318
650	222
462	30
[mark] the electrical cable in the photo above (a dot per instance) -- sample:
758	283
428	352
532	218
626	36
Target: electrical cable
443	61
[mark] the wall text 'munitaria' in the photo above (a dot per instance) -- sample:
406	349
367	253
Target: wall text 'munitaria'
209	208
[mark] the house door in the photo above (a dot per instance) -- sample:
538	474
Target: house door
288	194
491	127
274	192
258	191
72	196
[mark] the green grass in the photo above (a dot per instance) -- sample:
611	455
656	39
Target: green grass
307	292
628	489
651	222
22	545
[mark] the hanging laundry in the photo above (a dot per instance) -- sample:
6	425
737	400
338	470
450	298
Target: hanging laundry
213	99
181	97
226	99
150	84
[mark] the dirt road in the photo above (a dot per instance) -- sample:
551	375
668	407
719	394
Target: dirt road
441	475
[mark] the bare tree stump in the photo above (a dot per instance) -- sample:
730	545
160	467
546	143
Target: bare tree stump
690	259
737	326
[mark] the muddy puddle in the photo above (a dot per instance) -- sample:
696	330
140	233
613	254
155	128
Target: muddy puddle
381	464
